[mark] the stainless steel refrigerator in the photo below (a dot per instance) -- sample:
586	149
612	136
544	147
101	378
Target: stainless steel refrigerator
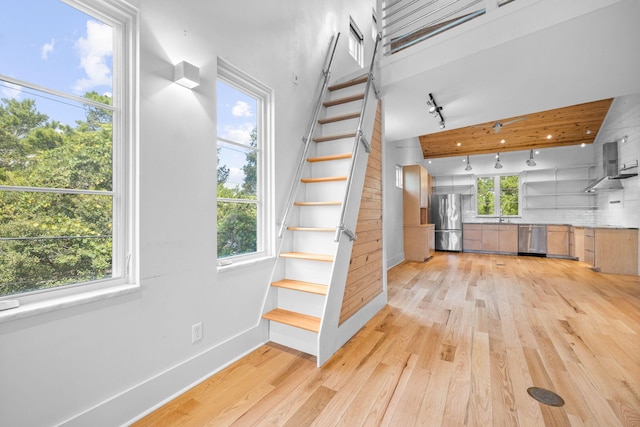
445	211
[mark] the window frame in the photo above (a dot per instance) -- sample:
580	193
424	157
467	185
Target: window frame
123	19
497	195
356	42
264	95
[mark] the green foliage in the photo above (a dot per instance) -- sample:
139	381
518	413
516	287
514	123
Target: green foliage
485	196
238	220
508	195
51	239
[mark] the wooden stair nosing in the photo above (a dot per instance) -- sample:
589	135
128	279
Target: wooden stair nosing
346	99
323	179
291	318
329	158
339	118
298	285
317	203
349	83
334	137
311	229
307	256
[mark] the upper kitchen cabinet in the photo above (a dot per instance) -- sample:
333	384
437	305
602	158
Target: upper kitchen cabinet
559	188
415	196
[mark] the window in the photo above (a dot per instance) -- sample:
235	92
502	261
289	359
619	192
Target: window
399	182
356	41
243	182
497	195
66	144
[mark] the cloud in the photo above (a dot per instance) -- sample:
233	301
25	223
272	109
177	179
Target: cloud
240	134
95	49
10	90
241	109
47	48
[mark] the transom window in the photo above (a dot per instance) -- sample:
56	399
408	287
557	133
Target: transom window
243	106
65	142
497	195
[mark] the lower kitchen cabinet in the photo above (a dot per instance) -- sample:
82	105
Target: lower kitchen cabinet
419	242
558	240
496	238
616	250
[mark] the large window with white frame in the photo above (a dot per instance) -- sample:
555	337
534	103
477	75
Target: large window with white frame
497	195
243	166
67	135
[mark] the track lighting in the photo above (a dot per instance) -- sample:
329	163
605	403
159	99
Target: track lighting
498	165
468	167
435	110
530	161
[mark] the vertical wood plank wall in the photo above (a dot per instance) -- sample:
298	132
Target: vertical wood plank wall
364	279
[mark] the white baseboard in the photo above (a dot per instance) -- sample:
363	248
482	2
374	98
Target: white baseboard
142	399
395	260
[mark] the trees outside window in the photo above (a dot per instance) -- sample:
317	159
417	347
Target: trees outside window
242	168
497	195
64	205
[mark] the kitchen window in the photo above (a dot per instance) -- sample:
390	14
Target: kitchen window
497	195
243	167
67	144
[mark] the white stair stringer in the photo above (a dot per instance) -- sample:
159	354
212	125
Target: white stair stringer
300	319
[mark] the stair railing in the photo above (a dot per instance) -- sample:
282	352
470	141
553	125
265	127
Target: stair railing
309	137
359	139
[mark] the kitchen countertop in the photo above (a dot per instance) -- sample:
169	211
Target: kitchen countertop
551	223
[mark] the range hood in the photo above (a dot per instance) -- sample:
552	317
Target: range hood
612	177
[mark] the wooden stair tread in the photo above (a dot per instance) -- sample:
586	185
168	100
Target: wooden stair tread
328	158
349	83
297	285
307	256
346	99
334	137
317	203
311	229
323	179
291	318
339	118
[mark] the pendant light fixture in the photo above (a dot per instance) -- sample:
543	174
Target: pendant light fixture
468	167
530	161
498	165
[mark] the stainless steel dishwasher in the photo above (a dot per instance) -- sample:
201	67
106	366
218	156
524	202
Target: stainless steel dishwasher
532	239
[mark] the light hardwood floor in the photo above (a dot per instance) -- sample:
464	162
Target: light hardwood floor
462	338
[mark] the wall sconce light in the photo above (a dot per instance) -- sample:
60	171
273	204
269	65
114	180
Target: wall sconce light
498	165
186	74
624	139
530	161
435	110
468	167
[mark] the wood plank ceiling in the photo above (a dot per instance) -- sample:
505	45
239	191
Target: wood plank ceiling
572	125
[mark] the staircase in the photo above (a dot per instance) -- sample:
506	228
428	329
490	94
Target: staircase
302	307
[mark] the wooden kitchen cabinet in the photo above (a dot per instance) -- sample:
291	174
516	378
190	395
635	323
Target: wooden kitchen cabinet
589	246
578	243
490	238
558	240
616	250
419	235
496	238
471	237
419	242
508	238
415	195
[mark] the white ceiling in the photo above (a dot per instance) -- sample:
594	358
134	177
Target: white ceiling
526	57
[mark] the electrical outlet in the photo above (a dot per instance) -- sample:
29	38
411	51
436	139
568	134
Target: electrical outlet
196	332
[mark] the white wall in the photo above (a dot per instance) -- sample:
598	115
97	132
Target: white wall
621	207
107	362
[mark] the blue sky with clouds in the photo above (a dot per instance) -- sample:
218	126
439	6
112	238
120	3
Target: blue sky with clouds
48	43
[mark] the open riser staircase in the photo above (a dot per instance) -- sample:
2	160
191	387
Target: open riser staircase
303	307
